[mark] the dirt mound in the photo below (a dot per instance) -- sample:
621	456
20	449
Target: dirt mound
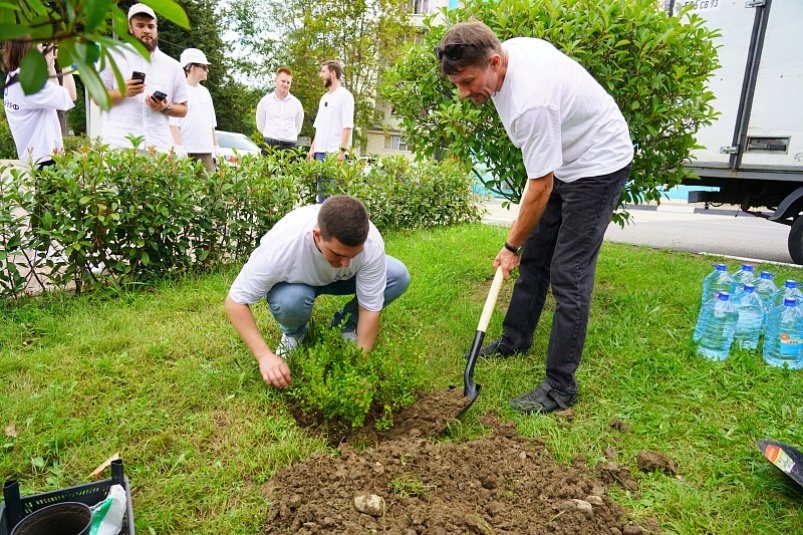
500	484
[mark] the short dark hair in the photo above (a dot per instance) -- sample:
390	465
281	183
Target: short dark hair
345	218
13	52
467	44
333	66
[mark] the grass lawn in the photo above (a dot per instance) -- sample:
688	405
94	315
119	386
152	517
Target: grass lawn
161	377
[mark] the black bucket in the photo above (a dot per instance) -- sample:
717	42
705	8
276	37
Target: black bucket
67	518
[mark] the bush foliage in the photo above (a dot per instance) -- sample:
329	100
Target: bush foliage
654	65
335	381
107	216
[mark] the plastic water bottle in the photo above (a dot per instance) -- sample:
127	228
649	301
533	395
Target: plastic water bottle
745	275
784	344
750	308
717	281
717	324
765	287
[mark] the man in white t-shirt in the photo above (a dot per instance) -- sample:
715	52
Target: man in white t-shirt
330	249
280	115
195	132
334	121
577	153
154	90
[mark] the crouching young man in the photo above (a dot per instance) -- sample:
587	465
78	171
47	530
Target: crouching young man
331	248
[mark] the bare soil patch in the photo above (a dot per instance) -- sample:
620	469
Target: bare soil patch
408	484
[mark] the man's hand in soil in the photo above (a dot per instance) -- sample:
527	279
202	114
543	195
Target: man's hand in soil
274	370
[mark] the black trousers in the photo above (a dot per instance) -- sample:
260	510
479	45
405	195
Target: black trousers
562	252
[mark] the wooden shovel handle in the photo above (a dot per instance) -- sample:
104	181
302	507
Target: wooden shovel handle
490	302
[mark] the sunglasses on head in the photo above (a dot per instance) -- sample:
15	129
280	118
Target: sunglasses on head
451	52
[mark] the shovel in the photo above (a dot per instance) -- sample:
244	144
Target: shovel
470	389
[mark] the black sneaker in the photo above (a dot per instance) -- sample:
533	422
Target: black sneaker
495	348
542	400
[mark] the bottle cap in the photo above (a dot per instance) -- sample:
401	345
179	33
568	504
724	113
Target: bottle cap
790	301
766	275
790	283
723	296
720	267
747	267
748	288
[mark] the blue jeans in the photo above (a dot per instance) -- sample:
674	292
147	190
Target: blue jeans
291	303
322	184
561	252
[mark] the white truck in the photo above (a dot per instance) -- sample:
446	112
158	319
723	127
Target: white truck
754	151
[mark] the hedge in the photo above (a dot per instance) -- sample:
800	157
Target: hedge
105	216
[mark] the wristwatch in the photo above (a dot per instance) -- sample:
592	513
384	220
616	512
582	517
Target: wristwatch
344	149
166	109
514	250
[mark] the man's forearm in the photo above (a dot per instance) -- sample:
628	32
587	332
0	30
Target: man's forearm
243	320
367	329
345	135
531	208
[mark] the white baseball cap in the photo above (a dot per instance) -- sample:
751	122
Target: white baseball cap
141	9
193	55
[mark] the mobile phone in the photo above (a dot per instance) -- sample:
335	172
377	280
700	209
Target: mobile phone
158	95
136	75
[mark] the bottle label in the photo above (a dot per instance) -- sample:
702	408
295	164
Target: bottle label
790	345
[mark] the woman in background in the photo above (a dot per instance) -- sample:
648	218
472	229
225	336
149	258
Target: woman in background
32	118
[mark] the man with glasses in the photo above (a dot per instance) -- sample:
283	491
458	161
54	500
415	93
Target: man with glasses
322	249
154	90
195	132
577	153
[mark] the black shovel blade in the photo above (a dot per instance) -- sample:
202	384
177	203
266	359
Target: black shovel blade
786	458
470	389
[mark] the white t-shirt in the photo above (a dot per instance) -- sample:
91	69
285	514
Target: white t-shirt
195	128
287	253
335	112
33	120
132	115
559	115
280	119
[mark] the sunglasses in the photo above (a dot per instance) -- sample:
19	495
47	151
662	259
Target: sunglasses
452	52
202	66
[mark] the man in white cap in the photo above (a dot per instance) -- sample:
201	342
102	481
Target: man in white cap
154	90
195	132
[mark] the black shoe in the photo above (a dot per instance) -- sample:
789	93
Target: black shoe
542	400
496	348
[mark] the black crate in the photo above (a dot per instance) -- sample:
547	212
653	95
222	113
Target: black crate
15	507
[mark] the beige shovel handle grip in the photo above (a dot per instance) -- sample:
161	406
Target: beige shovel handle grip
490	302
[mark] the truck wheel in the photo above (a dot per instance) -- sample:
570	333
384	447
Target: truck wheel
795	242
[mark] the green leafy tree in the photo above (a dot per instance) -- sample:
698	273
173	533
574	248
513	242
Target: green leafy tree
363	35
83	32
654	65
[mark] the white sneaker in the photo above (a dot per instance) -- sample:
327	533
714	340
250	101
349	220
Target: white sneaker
288	345
349	336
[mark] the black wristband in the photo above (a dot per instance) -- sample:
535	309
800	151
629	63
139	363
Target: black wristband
514	250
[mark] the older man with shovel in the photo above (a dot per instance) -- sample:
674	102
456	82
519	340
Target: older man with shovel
577	152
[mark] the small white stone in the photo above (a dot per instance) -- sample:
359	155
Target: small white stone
370	504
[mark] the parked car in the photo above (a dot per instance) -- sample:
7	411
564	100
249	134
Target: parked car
233	144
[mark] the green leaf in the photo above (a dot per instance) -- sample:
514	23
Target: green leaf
38	462
33	72
13	31
96	11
